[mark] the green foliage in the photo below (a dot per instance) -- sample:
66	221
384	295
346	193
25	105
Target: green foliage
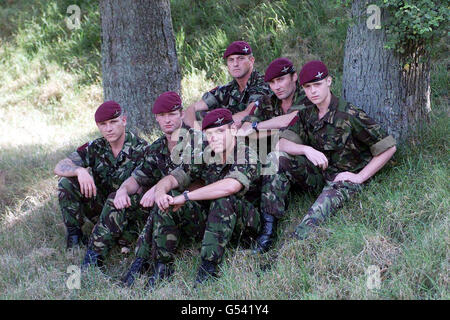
299	29
413	24
41	30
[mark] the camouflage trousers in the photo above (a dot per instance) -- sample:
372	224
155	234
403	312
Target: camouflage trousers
74	206
332	198
186	224
296	171
121	225
224	220
301	173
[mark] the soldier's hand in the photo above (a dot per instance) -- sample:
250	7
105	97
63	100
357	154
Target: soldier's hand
317	158
348	176
245	130
122	200
148	199
87	185
163	201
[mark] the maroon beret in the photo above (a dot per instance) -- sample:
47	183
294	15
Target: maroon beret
108	110
238	47
217	118
313	71
167	102
277	68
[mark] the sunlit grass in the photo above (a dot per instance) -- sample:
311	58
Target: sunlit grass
399	223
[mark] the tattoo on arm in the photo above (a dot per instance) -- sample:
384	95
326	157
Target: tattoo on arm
67	166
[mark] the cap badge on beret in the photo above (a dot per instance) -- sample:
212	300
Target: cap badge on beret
285	69
245	49
312	71
217	118
219	121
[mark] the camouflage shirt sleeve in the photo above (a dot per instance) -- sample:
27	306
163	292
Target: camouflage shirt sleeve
76	159
295	131
370	133
146	173
258	91
212	98
262	110
84	153
185	174
245	170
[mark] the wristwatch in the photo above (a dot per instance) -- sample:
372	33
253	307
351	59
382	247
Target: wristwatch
185	194
255	125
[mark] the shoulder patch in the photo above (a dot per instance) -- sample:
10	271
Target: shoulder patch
214	89
83	147
293	121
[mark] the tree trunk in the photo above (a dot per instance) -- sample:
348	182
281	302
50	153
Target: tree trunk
393	89
139	60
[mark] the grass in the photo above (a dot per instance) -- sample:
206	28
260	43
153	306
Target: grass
50	85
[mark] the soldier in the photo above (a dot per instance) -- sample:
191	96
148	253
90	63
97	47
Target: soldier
231	190
238	95
126	209
331	144
274	111
111	160
286	98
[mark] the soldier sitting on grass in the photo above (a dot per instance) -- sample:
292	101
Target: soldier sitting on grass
127	209
231	190
331	145
110	159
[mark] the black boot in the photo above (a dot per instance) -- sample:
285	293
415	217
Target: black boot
138	266
91	258
266	238
161	271
207	270
74	237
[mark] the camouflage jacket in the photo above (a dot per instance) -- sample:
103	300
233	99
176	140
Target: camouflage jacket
159	161
228	96
347	136
109	172
270	106
242	166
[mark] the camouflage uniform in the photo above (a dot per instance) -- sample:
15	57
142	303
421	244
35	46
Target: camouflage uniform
108	173
270	106
158	162
349	139
228	96
226	218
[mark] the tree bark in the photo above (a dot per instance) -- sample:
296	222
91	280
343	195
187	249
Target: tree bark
393	89
139	60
